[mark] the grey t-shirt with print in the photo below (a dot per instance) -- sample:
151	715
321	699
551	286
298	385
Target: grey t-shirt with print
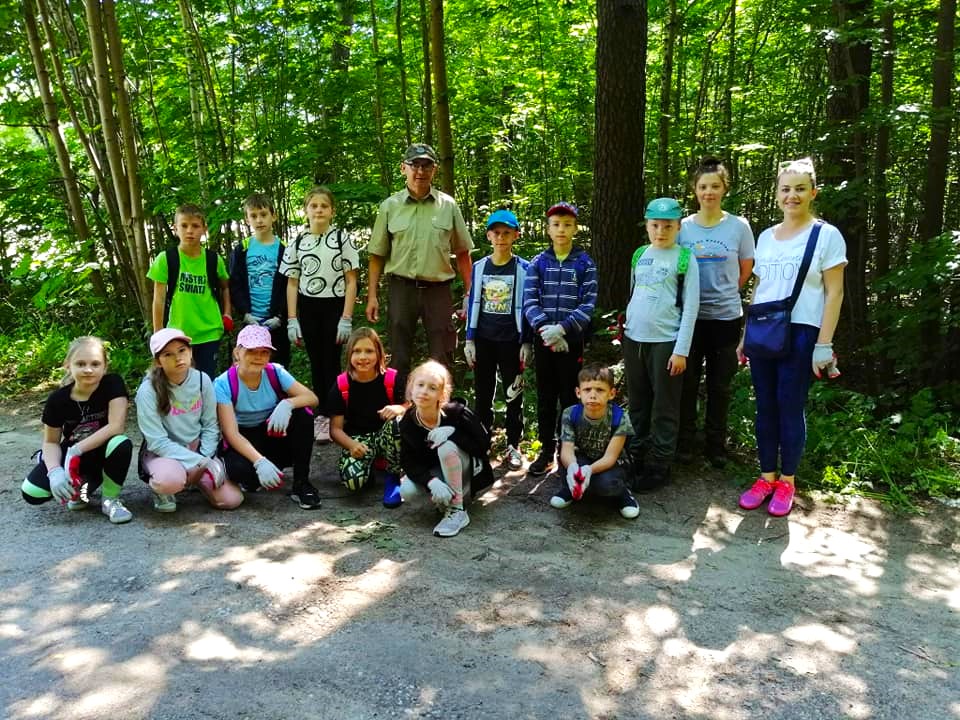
719	250
591	437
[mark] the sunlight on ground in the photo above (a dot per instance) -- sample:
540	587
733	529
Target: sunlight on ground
822	552
718	528
933	581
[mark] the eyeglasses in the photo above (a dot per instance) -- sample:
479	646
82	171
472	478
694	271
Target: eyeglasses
424	165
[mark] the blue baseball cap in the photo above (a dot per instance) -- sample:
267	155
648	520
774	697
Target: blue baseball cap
664	209
505	217
562	208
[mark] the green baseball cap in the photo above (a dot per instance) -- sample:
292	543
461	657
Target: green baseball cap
663	209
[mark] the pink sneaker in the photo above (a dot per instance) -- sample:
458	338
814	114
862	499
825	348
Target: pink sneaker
758	492
782	501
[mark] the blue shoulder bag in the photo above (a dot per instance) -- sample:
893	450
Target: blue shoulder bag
768	324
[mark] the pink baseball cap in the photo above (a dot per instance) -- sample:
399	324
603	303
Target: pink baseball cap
254	336
161	338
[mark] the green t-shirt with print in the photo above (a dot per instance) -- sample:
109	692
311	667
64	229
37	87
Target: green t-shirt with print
194	308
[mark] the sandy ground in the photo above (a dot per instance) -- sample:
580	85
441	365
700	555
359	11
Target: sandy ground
694	610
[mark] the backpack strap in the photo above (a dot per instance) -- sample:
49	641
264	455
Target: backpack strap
390	382
683	262
576	412
274	381
617	416
343	385
213	281
173	280
234	380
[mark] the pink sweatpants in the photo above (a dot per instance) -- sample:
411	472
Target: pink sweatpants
168	477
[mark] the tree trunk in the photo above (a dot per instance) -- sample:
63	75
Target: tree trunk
619	157
378	97
427	85
439	61
881	206
403	74
663	122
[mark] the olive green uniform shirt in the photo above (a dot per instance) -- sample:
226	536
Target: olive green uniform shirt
417	238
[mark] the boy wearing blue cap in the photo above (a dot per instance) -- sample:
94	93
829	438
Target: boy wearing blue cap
661	314
498	336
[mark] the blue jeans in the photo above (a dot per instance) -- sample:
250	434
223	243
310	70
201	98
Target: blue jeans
781	387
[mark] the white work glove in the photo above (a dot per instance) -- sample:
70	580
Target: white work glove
470	352
249	319
560	346
439	435
526	355
552	334
217	472
268	474
60	486
293	331
271	323
440	492
279	419
824	359
578	489
344	328
71	463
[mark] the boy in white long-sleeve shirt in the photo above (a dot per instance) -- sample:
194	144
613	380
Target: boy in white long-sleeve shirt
661	314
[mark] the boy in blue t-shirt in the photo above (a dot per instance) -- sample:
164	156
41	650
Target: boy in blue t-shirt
257	288
498	336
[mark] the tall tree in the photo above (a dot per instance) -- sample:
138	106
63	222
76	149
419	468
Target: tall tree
439	61
620	120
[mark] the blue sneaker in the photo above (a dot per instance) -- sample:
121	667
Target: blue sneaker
391	491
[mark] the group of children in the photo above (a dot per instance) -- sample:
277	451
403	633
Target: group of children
236	433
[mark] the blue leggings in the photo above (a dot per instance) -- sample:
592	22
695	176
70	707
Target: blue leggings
781	387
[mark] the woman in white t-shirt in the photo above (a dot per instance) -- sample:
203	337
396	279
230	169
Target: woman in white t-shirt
781	385
723	245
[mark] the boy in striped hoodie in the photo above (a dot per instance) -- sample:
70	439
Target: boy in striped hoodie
559	297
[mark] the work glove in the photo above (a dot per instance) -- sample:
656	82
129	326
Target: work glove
552	334
824	359
227	323
560	346
60	486
71	463
268	474
293	331
344	328
440	492
249	319
279	419
271	323
578	479
216	471
439	435
470	352
526	355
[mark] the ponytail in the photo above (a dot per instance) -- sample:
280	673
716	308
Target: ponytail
161	388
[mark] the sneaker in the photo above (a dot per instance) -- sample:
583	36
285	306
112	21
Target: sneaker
563	498
455	520
629	507
114	509
513	458
164	503
782	501
543	464
305	495
321	429
717	458
391	491
758	492
82	500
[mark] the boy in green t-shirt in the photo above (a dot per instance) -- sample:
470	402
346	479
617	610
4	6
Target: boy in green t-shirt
193	305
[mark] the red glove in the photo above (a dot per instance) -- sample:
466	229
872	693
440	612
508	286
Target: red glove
227	323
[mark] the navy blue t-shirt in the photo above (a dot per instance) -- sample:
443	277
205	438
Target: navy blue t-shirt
497	321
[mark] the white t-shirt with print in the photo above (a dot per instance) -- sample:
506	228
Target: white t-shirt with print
777	263
320	261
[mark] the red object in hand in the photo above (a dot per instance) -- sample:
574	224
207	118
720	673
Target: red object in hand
278	487
227	323
577	491
73	472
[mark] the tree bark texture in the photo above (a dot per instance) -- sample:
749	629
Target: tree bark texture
439	61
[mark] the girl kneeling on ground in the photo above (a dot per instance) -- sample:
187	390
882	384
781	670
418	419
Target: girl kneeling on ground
362	412
83	442
441	442
266	419
177	415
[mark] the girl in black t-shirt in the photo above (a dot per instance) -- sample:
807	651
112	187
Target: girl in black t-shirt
83	442
362	412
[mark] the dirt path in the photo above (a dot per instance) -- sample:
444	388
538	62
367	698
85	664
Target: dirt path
694	610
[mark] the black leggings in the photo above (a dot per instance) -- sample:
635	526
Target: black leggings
106	465
295	449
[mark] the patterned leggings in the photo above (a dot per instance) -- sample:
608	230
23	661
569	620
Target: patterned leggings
384	445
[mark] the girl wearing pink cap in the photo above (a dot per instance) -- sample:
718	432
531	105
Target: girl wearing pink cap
266	419
177	415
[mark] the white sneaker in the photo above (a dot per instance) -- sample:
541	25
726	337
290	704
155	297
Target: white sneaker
81	502
321	429
513	458
453	522
164	503
114	509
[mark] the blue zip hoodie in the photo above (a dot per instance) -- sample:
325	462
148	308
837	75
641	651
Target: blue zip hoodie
566	293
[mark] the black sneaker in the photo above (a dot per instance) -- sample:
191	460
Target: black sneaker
563	497
629	507
305	495
543	464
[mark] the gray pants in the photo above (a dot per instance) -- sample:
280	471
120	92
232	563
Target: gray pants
409	301
654	397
